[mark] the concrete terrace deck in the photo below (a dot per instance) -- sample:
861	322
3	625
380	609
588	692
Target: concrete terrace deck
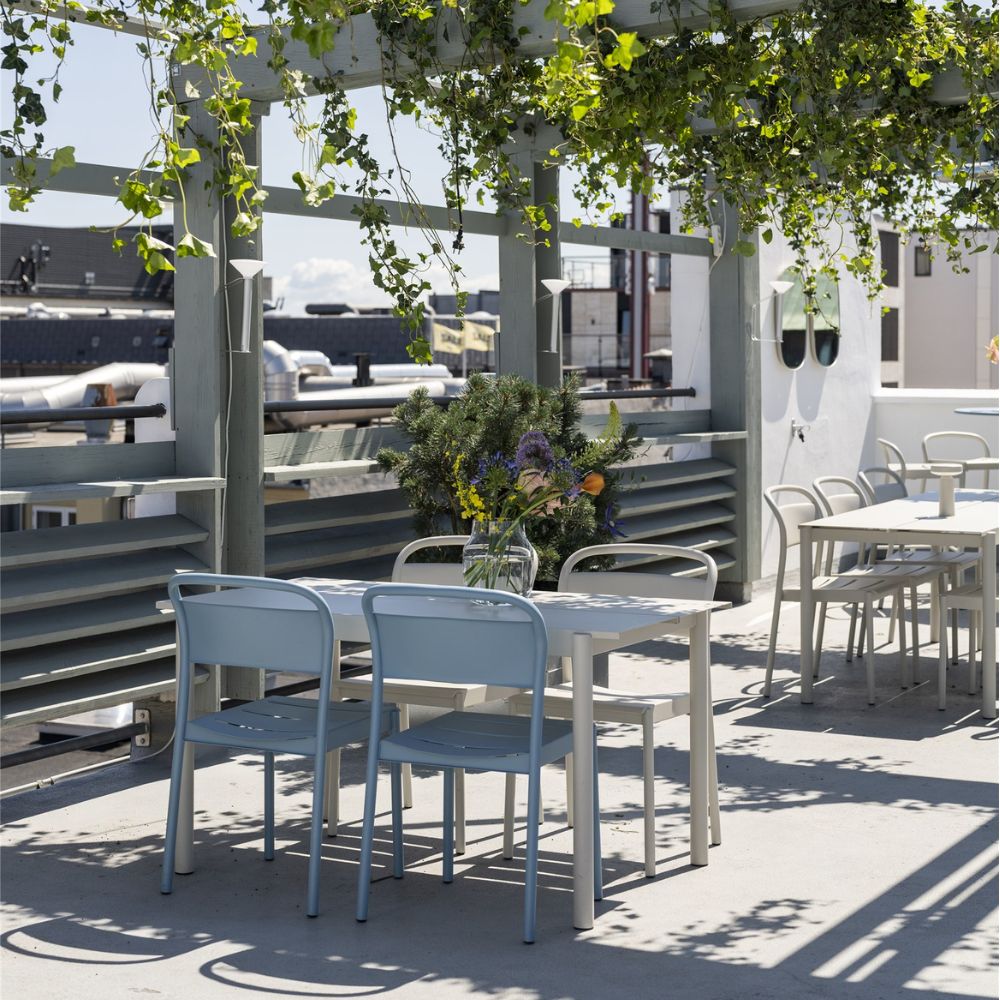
858	861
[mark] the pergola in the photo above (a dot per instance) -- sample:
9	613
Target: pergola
217	462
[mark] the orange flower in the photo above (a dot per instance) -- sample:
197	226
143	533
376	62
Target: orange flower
593	483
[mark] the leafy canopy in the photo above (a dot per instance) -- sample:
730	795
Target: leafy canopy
808	120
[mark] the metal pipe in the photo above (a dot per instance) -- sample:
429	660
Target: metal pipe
70	413
104	738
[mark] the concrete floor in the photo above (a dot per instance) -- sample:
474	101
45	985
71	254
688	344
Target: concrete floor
858	860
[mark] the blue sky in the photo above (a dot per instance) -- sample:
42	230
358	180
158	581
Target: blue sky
104	114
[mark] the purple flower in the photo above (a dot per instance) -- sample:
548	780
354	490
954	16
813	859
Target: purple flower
495	461
613	527
534	451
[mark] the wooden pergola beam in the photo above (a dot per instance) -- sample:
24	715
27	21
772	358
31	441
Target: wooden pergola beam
356	57
102	181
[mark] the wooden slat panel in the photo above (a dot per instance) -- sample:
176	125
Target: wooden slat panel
24	629
38	466
319	470
672	497
48	586
698	437
90	692
48	664
286	553
641	477
105	489
654	525
303	447
78	541
331	512
652	423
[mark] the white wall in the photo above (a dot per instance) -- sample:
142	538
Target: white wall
834	403
904	416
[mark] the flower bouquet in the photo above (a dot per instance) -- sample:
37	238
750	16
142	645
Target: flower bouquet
511	454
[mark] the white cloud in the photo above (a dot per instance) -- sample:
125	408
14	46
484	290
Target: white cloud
335	279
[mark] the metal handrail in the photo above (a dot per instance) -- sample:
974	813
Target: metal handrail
64	414
374	403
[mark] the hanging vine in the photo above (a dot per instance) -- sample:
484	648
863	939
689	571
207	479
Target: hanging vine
809	121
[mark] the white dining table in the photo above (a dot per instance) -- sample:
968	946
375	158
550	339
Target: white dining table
913	520
580	626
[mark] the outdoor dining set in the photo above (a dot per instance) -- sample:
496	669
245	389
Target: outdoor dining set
512	677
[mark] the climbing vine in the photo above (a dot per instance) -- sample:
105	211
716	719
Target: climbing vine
809	121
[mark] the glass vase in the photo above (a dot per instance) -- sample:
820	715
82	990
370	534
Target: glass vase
498	556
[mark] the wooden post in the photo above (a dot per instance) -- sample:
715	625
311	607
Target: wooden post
243	509
198	368
734	289
548	264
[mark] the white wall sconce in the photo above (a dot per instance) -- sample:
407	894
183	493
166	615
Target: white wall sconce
779	288
248	269
556	287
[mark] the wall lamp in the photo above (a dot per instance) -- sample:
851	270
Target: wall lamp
248	269
556	287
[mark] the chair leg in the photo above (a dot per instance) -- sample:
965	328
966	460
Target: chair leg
818	647
915	669
531	862
974	650
851	633
404	723
508	816
269	807
315	835
598	866
396	781
460	811
867	610
332	792
714	816
569	790
367	833
942	655
870	651
173	811
648	796
448	850
772	643
897	610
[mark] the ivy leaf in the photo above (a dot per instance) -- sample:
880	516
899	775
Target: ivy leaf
156	262
767	235
191	246
63	157
744	248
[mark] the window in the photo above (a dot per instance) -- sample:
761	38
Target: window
922	262
825	321
52	517
890	335
889	244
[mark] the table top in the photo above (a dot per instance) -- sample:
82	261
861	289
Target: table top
611	620
977	512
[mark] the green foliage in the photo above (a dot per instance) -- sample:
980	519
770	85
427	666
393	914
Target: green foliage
816	118
489	418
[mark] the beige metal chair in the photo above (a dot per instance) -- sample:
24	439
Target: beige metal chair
905	470
430	694
857	588
966	598
955	446
630	708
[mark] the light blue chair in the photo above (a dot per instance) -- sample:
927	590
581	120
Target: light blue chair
273	625
449	634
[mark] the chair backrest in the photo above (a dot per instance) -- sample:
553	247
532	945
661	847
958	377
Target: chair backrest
655	583
455	634
252	622
445	574
894	487
838	494
954	445
790	515
893	456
